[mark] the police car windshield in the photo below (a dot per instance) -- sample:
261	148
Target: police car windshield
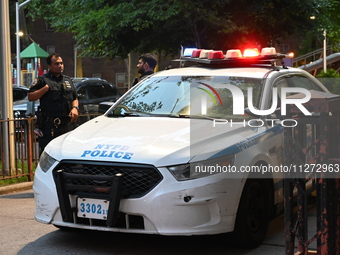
205	96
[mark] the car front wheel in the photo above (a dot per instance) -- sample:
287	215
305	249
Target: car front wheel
254	213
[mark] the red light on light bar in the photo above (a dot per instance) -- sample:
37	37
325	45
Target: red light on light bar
251	53
216	54
196	53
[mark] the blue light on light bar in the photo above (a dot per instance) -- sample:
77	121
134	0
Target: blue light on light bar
188	52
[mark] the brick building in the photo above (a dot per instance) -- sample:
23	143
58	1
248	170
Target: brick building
51	41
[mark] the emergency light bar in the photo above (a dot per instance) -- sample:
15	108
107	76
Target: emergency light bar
251	53
234	57
188	52
233	54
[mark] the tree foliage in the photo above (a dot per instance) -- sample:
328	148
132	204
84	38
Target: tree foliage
331	80
328	19
116	27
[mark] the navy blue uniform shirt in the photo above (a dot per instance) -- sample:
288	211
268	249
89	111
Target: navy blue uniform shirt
57	102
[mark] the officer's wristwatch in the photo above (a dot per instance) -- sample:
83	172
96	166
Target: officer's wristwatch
76	107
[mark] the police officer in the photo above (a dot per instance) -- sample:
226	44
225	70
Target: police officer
145	67
59	104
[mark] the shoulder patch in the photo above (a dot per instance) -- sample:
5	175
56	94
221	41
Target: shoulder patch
35	82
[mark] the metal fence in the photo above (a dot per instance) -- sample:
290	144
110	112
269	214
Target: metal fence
313	144
310	57
19	150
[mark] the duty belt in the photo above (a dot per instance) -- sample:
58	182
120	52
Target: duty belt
58	120
57	123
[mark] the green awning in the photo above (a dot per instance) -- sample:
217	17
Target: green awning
33	51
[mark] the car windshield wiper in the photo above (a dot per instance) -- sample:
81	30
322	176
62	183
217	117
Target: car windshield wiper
174	115
125	114
131	114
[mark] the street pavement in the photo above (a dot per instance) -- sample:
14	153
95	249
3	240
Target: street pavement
273	244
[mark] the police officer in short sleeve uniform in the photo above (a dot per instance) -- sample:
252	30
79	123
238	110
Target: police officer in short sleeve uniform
59	104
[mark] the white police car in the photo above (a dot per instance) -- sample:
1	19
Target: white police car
182	153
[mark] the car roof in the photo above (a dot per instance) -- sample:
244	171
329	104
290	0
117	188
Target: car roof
252	72
93	81
81	79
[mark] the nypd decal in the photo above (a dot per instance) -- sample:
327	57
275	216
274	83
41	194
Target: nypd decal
108	151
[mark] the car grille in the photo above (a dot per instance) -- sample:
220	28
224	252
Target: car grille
82	178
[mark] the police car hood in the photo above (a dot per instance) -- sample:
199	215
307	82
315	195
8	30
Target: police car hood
159	141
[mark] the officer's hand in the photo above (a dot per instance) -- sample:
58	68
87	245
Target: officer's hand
74	114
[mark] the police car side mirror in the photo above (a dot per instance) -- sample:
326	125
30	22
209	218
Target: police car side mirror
275	115
250	113
278	113
104	106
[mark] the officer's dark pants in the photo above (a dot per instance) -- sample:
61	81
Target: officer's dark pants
50	131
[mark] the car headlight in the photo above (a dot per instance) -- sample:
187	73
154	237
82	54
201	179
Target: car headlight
200	169
46	161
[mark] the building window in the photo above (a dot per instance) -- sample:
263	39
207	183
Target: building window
97	75
50	49
122	80
284	48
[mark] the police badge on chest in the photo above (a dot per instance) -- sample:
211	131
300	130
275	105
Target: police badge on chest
67	85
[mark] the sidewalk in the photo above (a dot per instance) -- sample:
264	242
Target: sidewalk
15	187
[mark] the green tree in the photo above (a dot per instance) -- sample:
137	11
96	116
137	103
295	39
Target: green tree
330	21
331	79
324	17
116	27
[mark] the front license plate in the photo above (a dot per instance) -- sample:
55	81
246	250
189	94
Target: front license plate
92	208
